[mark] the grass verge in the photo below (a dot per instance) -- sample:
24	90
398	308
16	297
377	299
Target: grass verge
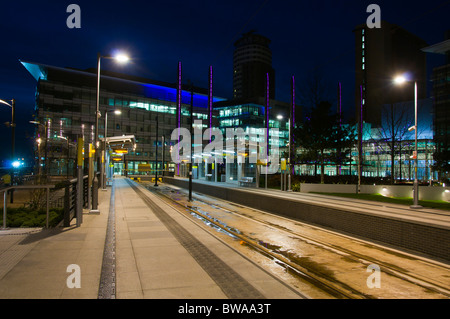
394	200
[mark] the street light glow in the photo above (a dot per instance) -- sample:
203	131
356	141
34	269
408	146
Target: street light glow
117	112
4	102
399	79
122	58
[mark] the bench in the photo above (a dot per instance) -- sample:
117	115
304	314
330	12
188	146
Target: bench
246	181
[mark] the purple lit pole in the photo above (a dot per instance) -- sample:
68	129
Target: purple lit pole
210	100
178	115
210	108
339	110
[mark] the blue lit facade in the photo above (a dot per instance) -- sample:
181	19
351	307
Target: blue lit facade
66	102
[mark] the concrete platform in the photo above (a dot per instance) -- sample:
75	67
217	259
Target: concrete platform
151	258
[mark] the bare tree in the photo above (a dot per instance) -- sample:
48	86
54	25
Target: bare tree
315	89
391	134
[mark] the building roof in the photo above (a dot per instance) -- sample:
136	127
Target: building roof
440	48
152	88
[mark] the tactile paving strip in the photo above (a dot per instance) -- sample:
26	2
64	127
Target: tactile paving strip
232	284
107	287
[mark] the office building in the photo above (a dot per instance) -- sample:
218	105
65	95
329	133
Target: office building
380	55
441	106
66	108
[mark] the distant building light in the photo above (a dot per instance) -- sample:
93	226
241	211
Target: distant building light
16	164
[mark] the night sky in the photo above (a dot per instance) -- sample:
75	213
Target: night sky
158	34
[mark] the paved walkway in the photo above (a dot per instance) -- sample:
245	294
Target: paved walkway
156	253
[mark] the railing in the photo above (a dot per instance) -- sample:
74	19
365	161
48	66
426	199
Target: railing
76	197
5	193
75	200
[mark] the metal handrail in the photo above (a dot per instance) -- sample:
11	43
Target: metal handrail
5	192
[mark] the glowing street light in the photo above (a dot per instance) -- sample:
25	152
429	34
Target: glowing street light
399	80
121	58
13	129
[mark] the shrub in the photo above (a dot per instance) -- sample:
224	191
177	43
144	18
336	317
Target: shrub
28	217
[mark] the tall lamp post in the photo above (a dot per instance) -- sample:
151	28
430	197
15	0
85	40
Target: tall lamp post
13	128
400	80
280	117
156	153
45	147
121	58
117	112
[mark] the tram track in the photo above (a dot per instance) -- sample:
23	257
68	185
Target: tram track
337	290
362	258
330	284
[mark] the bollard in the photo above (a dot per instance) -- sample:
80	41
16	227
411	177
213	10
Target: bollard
95	195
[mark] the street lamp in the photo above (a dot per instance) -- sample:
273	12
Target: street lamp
13	124
289	152
399	80
103	173
121	58
13	128
45	147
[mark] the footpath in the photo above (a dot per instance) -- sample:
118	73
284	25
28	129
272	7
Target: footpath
152	252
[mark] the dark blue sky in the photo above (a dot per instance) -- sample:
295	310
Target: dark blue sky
158	34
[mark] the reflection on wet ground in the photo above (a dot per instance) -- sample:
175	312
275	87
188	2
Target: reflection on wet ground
330	256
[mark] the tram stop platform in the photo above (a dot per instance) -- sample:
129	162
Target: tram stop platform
137	247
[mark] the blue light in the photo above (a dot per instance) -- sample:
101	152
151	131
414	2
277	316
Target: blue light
16	164
170	94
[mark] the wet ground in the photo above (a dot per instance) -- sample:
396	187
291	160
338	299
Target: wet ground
366	269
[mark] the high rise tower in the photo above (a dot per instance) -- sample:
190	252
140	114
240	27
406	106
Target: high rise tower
252	60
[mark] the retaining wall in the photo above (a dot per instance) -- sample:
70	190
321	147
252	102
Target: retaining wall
414	236
425	192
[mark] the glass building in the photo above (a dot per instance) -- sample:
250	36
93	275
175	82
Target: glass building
66	107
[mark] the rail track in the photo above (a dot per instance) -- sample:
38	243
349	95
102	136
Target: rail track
290	261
